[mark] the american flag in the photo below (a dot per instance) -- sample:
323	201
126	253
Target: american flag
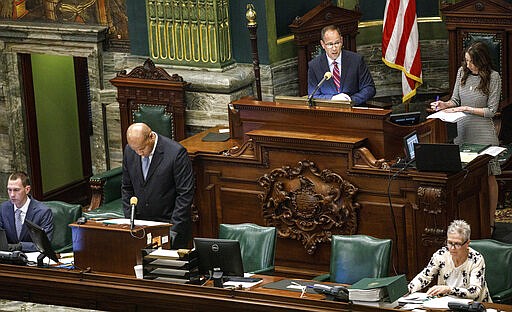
400	44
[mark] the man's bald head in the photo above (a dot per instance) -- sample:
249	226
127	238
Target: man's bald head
140	138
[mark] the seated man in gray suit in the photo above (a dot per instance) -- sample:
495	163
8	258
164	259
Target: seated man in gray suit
18	209
158	171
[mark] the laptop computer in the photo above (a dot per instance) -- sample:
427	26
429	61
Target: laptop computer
409	141
437	157
408	144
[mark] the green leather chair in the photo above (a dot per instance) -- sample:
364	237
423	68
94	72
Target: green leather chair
106	199
354	257
63	215
257	244
498	268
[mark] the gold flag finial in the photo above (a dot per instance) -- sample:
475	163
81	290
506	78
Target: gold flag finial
250	15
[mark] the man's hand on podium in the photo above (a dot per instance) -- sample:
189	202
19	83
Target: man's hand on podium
341	97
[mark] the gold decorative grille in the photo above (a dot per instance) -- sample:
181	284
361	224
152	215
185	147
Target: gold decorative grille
189	32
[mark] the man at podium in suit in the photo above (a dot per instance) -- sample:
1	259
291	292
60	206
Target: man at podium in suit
351	80
158	171
19	208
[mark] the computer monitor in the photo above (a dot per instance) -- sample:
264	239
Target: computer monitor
218	258
405	119
40	239
409	141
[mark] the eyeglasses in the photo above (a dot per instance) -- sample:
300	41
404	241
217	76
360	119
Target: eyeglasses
332	44
455	244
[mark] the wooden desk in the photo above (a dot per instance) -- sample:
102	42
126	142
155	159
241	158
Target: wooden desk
112	248
317	172
118	293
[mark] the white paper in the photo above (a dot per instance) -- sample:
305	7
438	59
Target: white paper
448	117
136	222
224	130
466	157
493	150
66	258
244	285
417	297
169	253
442	302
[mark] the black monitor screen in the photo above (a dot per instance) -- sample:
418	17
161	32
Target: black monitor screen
40	239
409	141
219	255
405	119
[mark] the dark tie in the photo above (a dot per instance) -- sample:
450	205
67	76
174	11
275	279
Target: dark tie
336	76
145	166
18	221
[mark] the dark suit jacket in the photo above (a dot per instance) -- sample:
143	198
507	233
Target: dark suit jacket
37	212
168	191
355	78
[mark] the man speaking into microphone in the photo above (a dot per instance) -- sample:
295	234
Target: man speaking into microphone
158	181
351	80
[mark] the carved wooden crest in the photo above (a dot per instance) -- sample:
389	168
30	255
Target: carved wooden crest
150	71
307	204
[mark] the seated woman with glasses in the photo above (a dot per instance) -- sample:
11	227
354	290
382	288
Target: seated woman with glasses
460	270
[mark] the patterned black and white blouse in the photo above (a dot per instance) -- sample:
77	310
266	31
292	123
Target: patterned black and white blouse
471	273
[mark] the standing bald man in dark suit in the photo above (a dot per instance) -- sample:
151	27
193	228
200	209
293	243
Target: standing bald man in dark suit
355	81
165	193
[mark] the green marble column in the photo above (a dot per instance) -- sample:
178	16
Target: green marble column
189	32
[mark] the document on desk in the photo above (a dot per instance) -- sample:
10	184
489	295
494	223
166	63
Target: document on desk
136	222
466	156
243	285
493	150
448	117
442	302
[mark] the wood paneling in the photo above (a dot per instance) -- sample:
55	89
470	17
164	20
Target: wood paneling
271	143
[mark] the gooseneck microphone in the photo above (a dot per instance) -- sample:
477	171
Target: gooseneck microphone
327	76
133	203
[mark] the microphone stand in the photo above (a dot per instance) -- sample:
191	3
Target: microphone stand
311	103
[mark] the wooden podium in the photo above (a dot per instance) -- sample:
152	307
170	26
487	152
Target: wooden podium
322	171
111	248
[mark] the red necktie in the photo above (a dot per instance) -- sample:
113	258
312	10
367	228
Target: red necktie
336	76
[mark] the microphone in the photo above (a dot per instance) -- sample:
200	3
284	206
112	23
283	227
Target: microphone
133	203
327	76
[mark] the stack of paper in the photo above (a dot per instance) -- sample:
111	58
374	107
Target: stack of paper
374	294
448	116
374	289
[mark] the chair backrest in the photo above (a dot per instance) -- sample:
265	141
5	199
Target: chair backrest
63	215
151	95
156	118
257	244
354	257
498	260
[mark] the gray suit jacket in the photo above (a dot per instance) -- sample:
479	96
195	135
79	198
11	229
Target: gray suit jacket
167	193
